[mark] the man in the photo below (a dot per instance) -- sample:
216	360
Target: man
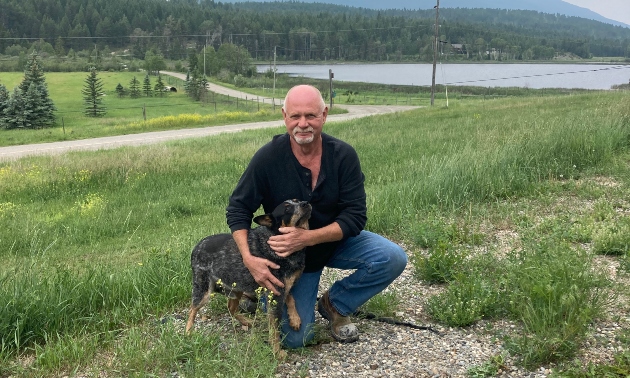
309	165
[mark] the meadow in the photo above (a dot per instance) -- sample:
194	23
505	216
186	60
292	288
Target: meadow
127	115
95	246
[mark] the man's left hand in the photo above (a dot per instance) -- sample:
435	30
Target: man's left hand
291	239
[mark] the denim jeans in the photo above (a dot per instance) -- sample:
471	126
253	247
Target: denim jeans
376	262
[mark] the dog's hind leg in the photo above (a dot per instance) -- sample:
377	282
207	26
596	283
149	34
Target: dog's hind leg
202	290
294	318
233	308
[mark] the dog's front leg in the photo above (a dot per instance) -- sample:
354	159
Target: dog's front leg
274	336
294	318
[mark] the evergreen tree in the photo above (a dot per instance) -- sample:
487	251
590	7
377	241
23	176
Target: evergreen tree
92	95
14	111
159	86
146	86
120	90
4	99
34	110
33	74
134	88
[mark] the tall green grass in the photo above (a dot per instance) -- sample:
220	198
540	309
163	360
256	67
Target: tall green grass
92	244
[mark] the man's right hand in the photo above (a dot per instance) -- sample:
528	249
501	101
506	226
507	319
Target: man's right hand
260	270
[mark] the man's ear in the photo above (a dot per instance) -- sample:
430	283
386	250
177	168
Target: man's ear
264	220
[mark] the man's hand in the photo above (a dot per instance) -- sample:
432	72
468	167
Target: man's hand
291	239
260	270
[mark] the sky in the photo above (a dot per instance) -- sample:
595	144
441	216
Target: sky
618	10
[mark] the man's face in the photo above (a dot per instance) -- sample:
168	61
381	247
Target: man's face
303	116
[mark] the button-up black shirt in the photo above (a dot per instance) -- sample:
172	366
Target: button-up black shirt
275	175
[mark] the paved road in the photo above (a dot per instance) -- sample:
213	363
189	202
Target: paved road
16	152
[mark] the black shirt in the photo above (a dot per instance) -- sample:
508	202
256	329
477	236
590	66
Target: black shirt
275	175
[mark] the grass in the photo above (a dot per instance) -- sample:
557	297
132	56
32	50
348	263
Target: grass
127	115
94	246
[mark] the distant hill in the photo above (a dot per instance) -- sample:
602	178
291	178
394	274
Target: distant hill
544	6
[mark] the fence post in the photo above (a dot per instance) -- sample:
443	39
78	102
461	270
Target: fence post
144	111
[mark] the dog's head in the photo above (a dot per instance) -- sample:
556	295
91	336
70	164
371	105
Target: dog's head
290	213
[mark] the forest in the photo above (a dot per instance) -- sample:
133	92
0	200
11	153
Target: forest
294	31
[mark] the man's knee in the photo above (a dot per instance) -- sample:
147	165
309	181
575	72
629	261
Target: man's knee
293	339
397	258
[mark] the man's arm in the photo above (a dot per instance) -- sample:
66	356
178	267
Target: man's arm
258	267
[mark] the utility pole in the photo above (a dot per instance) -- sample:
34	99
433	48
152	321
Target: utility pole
331	75
435	48
274	73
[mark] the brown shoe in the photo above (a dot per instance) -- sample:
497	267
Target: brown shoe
341	328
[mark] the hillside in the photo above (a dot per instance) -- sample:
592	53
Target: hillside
176	28
543	6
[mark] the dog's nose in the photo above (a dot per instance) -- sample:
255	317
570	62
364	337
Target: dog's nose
303	204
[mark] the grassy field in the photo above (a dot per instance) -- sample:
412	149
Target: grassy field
95	246
127	115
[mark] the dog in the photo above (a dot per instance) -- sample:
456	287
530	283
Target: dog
217	266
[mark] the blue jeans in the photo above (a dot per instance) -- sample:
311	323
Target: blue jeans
377	263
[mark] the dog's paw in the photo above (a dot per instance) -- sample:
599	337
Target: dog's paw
295	324
281	355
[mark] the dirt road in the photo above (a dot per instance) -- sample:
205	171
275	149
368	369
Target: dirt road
16	152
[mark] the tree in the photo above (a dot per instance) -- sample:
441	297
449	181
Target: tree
134	88
154	62
34	75
93	95
4	99
159	86
146	86
120	90
13	113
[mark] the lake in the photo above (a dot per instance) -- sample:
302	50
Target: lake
586	76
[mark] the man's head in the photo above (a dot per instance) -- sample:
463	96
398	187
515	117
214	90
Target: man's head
304	113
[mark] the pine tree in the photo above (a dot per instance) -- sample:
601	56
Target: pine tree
134	88
14	112
4	99
33	74
92	95
33	110
159	86
146	86
120	90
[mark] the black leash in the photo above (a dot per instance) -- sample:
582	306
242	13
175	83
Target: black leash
370	316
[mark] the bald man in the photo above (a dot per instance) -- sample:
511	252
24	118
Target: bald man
306	164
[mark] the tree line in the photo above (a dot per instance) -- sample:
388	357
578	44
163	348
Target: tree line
301	31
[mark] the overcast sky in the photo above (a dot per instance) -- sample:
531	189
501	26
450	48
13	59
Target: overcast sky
618	10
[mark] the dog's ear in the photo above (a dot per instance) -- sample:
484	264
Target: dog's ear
264	220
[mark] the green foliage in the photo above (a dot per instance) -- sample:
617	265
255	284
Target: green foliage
384	304
159	86
120	90
93	95
30	106
134	88
466	300
489	369
442	264
555	293
147	88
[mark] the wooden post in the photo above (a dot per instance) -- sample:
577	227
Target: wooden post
435	48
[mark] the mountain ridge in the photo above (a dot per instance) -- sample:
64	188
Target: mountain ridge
543	6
